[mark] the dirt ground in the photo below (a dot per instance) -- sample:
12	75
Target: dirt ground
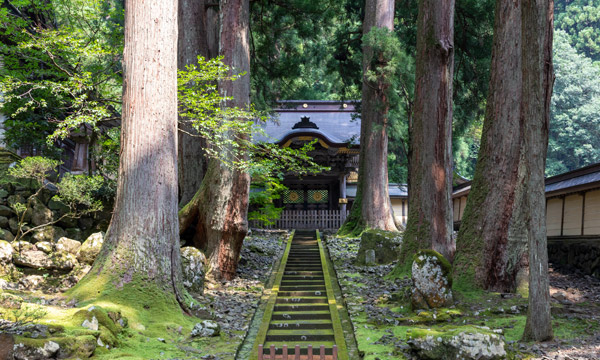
580	296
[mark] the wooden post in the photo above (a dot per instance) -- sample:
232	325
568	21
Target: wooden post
343	192
272	353
335	352
297	352
322	353
310	352
284	352
260	352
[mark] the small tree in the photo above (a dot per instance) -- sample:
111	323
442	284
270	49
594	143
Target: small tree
228	132
77	192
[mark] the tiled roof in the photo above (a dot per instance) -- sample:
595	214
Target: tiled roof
335	123
581	177
394	190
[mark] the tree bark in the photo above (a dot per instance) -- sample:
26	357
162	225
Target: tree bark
536	36
372	207
429	222
196	37
492	244
219	210
141	248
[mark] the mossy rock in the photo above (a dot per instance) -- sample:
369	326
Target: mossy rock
385	245
70	347
48	233
108	330
456	342
431	277
6	235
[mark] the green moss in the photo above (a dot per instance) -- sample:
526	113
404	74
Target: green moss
446	332
72	347
353	226
384	243
139	300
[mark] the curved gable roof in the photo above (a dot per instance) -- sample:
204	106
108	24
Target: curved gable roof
335	122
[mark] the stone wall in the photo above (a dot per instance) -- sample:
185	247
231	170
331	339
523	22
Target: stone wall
583	255
43	210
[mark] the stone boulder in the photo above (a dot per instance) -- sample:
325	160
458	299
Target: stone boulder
6	211
45	350
3	222
34	259
192	265
206	328
48	233
13	225
6	235
7	269
58	206
41	214
90	248
31	282
378	247
14	199
431	280
74	233
62	260
44	246
462	342
68	245
19	246
6	252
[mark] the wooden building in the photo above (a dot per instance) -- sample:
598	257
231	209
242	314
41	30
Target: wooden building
318	200
572	204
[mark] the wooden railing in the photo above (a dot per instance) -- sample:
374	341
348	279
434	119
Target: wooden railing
285	355
307	219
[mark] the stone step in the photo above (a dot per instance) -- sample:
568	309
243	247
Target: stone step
312	288
303	307
301	300
302	272
301	326
301	282
301	293
301	277
295	338
300	315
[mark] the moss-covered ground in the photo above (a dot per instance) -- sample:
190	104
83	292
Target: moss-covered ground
141	323
380	309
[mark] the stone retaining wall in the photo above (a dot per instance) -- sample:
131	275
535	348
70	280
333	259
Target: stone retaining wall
583	255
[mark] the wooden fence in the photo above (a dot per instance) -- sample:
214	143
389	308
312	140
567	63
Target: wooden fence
285	355
307	219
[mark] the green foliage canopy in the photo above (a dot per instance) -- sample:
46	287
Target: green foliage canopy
575	122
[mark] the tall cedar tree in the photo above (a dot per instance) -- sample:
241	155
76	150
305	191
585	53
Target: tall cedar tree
218	212
430	156
197	37
372	208
491	248
537	26
141	249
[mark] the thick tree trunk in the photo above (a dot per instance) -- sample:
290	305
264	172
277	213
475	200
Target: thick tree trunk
195	38
536	36
219	210
430	160
141	248
492	244
372	207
